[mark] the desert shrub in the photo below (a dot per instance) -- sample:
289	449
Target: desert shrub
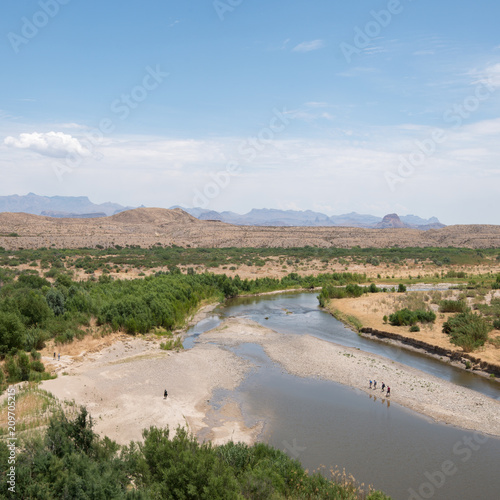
414	328
455	274
467	330
172	344
406	317
401	288
496	324
446	306
353	290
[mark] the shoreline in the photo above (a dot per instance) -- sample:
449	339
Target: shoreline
431	348
309	357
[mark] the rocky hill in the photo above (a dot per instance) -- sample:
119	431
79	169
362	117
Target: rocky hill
391	221
150	226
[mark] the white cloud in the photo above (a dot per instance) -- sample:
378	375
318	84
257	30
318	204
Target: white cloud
309	46
343	173
52	144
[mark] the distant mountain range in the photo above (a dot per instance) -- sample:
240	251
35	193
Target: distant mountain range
58	206
82	207
274	217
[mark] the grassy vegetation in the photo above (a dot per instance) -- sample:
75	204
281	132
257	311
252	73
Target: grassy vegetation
347	319
467	330
34	409
458	306
70	461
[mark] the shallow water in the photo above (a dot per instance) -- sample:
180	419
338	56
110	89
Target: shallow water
325	423
379	442
299	313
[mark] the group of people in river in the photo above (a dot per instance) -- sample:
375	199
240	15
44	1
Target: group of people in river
384	387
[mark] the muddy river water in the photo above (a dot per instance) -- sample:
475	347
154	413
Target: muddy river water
325	424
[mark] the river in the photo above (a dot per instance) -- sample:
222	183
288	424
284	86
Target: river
327	424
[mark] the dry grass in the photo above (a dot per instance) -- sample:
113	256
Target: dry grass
370	309
33	409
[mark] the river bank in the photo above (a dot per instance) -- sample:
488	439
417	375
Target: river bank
122	387
307	356
370	309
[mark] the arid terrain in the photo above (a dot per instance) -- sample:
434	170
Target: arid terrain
149	226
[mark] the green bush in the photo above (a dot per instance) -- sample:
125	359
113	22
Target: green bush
401	288
12	332
37	366
467	330
447	306
414	328
406	317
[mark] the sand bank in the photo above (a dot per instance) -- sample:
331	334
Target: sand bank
122	385
307	356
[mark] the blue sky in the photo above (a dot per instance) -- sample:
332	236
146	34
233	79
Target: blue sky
369	106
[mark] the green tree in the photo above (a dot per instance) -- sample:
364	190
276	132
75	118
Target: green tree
12	332
55	300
